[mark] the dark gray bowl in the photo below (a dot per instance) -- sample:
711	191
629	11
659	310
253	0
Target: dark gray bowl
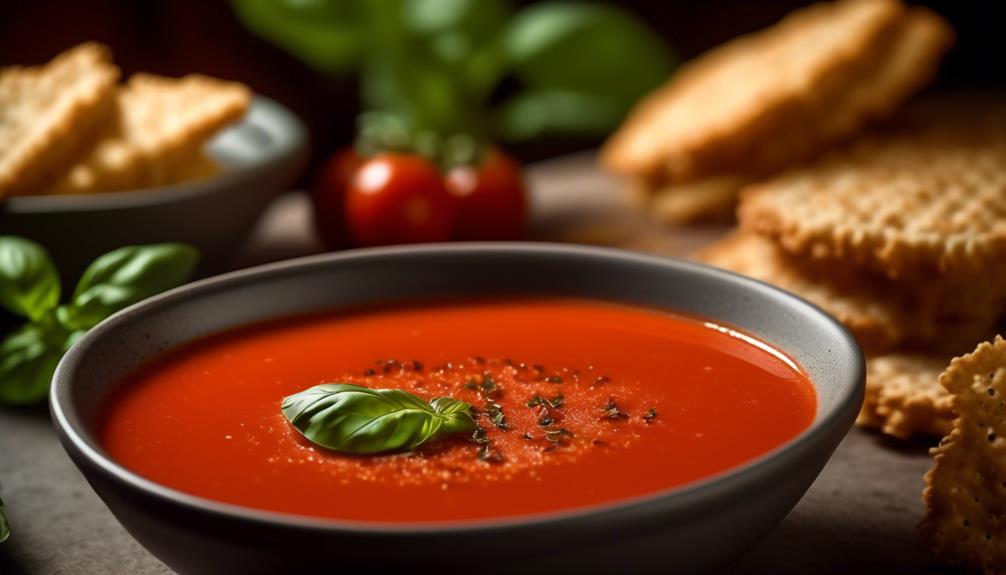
684	530
260	156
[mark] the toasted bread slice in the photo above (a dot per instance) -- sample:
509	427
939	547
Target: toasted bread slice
842	103
732	100
47	111
160	124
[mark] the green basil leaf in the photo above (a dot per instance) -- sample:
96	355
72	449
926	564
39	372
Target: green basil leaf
354	419
536	114
464	35
421	93
28	358
125	276
29	283
588	48
450	406
4	526
474	18
328	35
72	338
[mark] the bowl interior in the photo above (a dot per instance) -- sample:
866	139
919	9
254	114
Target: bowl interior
819	344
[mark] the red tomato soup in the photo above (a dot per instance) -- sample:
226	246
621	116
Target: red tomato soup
632	401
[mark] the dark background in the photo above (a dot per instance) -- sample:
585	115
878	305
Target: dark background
175	37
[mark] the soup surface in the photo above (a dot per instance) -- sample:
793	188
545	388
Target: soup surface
581	403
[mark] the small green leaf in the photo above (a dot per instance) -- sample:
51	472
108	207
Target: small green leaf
4	526
29	284
28	358
587	48
535	114
125	276
422	93
30	353
354	419
474	18
328	35
464	36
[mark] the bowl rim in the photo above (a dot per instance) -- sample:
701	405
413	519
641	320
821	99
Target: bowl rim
291	139
720	488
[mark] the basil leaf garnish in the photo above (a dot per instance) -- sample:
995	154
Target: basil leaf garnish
354	419
29	284
4	526
125	276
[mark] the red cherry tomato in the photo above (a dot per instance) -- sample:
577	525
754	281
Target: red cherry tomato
399	199
491	199
328	197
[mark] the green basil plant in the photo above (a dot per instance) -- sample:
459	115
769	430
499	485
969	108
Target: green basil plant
30	289
477	67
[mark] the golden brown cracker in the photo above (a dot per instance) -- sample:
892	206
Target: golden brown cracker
844	102
730	102
920	199
711	199
871	314
904	397
46	111
160	123
965	494
200	166
909	62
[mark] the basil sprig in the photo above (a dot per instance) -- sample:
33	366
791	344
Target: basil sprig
491	69
4	526
29	287
354	419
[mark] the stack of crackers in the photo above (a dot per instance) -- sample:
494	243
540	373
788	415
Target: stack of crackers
762	102
68	127
891	232
899	235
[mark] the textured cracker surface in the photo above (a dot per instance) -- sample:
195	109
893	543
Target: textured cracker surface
908	345
712	122
199	166
904	397
874	318
46	111
712	199
881	313
161	124
908	61
906	65
928	196
721	108
965	494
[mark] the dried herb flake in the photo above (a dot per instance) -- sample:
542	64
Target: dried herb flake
612	411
